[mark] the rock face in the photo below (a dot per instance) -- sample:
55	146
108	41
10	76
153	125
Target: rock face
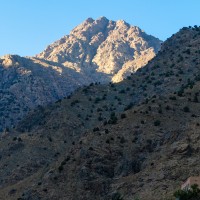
95	51
114	49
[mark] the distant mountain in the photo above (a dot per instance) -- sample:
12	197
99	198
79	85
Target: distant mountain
135	139
95	51
115	49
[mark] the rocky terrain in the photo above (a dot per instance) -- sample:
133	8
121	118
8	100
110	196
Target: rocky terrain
135	139
28	82
116	49
95	51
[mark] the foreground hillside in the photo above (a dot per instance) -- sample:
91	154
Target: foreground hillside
137	138
95	51
148	153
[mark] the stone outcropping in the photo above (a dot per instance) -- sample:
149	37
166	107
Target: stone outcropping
114	49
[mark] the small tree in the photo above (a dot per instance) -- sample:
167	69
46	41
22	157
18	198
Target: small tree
157	123
191	194
186	109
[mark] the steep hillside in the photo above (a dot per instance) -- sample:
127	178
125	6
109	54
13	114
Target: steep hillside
137	138
148	153
95	51
28	82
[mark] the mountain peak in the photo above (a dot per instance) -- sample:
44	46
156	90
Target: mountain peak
122	22
89	20
105	46
102	19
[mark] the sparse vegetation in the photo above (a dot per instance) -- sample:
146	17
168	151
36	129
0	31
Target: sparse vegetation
190	194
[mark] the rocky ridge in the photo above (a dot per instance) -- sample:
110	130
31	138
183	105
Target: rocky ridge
116	49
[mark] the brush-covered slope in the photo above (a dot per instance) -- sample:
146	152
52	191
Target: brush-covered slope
148	153
95	51
137	138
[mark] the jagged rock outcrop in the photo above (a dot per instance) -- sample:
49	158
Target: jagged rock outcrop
95	51
115	49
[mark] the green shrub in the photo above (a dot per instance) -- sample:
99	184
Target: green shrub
195	99
191	194
74	102
117	196
97	100
157	123
172	98
129	106
96	129
123	115
186	109
60	168
106	131
122	91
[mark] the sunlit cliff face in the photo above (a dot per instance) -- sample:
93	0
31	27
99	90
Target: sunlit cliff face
113	48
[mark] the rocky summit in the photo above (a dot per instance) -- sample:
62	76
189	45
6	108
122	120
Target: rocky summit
136	139
96	51
114	49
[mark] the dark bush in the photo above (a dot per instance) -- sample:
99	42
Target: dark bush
157	123
186	109
192	194
95	129
123	115
172	98
129	106
60	168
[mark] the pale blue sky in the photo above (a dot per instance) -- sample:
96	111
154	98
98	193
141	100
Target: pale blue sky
28	26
